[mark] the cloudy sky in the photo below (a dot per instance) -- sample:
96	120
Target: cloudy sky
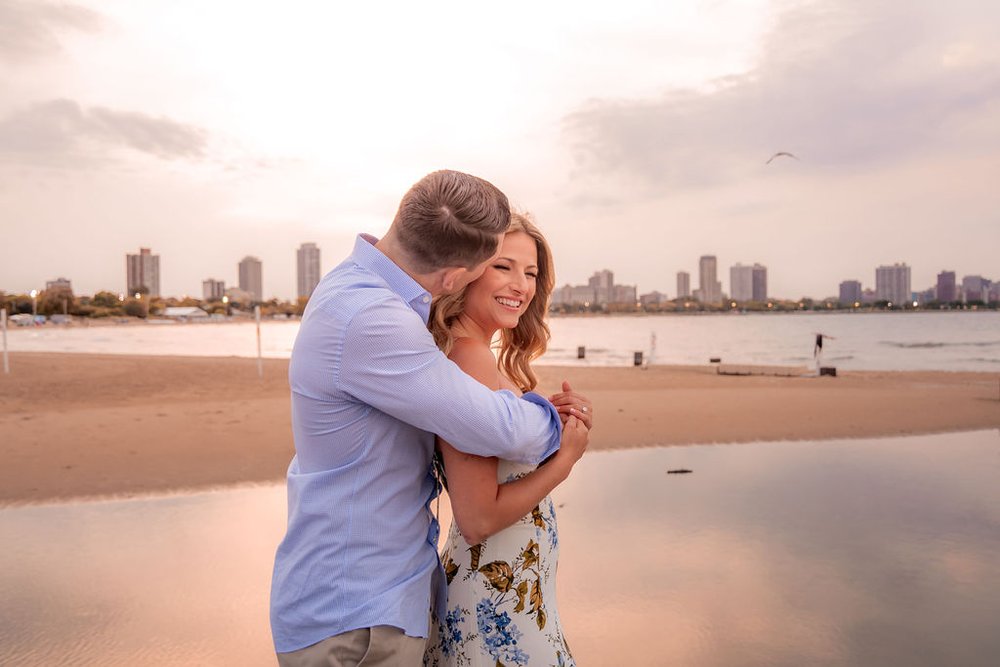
635	132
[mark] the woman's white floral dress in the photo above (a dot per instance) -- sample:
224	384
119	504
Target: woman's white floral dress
501	606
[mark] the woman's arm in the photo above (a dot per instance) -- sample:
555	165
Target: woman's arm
481	506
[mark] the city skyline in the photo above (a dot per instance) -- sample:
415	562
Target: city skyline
112	136
747	283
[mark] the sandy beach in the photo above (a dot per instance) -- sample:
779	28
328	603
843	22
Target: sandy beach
75	425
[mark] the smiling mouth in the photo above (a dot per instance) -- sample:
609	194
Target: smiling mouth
513	304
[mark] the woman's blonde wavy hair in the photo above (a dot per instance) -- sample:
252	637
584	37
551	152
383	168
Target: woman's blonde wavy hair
529	339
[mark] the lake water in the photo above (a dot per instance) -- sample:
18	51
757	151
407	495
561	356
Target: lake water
956	341
856	552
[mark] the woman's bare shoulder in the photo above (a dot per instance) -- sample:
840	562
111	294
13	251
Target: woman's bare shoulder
476	360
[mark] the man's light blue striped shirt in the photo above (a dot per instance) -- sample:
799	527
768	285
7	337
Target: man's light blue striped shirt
369	390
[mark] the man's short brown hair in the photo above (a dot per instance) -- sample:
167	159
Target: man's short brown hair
451	219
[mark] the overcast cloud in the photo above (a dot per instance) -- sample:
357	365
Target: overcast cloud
31	29
841	84
61	133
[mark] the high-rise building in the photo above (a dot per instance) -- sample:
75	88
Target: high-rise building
850	292
308	268
946	291
709	287
748	283
683	284
143	271
892	283
975	288
251	277
741	282
759	282
212	289
602	282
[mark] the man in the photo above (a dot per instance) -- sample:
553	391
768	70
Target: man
353	575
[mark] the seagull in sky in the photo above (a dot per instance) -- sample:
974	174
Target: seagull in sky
779	154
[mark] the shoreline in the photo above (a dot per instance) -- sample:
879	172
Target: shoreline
91	426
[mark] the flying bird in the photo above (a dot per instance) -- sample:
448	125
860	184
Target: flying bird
779	154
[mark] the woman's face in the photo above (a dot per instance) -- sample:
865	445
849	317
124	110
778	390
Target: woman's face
498	298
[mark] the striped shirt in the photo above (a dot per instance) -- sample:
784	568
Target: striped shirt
369	390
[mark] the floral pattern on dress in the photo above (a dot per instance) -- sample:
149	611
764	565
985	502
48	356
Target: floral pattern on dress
509	582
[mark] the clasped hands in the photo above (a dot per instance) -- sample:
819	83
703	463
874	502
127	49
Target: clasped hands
569	402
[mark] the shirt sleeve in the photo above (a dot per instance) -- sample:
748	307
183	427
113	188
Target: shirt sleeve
390	362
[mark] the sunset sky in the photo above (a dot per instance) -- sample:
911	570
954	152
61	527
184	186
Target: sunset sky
635	132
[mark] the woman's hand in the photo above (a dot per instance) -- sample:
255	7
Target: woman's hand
575	438
569	402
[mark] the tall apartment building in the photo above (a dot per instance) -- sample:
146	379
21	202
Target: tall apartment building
143	271
759	282
748	283
709	288
603	283
252	277
850	292
683	284
975	288
892	283
212	289
945	291
624	294
741	282
307	262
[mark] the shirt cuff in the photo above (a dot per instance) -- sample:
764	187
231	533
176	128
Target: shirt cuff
555	424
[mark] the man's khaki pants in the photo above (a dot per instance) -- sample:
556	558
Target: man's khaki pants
381	646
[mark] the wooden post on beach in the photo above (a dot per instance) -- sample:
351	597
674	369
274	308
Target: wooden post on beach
260	362
3	325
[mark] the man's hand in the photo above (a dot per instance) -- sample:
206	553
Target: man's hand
569	402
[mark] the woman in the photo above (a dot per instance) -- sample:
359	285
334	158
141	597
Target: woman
502	548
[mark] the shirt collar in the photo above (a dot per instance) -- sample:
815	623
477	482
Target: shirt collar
368	256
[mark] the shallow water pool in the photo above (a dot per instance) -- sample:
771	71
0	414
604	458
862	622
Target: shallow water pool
851	552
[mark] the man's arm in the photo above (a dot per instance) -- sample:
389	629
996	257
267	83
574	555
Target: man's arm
390	362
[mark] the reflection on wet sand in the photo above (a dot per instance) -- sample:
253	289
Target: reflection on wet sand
863	552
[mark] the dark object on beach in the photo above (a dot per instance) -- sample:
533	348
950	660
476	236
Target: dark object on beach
581	352
715	360
779	154
828	370
679	471
638	359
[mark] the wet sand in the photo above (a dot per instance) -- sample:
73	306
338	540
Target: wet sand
76	425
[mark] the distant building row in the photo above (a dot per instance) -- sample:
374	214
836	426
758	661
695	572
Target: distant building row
600	290
143	275
893	285
746	283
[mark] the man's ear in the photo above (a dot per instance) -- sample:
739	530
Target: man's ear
451	277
